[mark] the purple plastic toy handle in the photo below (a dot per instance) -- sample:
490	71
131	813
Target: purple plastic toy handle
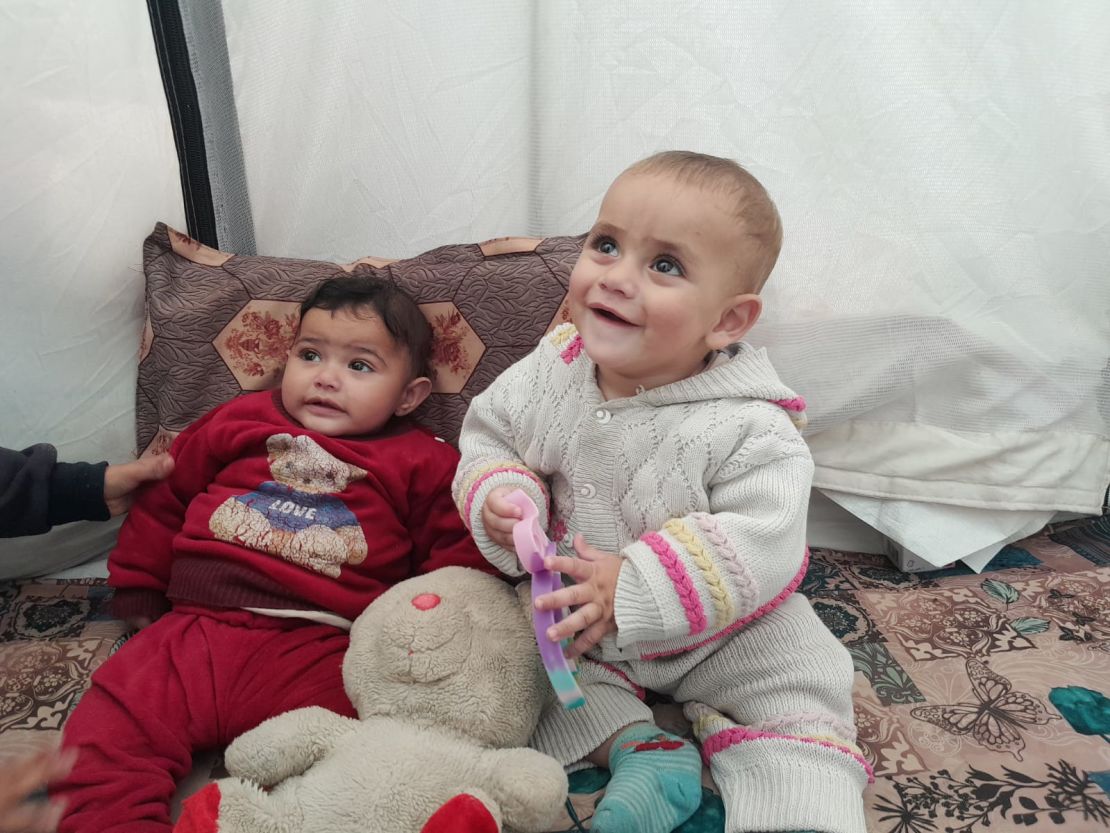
531	547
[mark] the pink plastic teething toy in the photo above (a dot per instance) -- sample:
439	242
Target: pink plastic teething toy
531	547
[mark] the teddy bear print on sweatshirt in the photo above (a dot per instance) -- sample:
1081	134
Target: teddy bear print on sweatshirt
297	516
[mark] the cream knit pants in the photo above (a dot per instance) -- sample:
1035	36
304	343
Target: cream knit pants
778	731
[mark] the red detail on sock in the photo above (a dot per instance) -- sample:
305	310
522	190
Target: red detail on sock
200	812
461	814
658	744
659	741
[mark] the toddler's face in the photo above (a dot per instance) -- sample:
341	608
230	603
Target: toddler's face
346	375
657	273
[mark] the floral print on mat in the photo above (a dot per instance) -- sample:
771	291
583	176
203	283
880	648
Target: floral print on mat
981	700
1001	801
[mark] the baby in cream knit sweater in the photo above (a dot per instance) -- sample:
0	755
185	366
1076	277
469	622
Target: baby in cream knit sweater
665	458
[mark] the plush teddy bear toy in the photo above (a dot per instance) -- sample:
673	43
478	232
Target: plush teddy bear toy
446	679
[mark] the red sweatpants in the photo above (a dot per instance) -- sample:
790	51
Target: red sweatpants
195	679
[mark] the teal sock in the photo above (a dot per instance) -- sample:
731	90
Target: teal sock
655	784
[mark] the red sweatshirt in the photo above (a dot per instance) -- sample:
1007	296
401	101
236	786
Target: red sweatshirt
262	513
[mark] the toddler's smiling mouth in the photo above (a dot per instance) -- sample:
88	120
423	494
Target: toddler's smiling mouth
608	315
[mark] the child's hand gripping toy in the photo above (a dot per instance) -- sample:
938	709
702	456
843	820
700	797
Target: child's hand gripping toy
531	547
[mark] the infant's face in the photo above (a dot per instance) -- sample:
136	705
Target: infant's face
658	270
346	375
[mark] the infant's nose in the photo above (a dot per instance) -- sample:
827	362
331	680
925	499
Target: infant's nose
425	601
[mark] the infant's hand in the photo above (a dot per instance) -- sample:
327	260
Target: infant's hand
137	623
20	778
121	480
596	572
499	517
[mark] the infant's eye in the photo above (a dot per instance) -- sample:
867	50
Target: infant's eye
360	366
666	266
606	246
309	355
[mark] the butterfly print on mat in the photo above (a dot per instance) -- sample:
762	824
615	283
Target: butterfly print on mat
997	719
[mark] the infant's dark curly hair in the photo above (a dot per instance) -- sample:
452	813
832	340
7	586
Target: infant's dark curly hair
362	294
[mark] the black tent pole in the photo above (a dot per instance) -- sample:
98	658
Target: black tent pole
185	116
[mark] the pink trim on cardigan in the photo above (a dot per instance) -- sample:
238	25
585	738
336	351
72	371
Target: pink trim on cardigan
477	483
687	594
571	351
797	404
738	734
638	690
735	626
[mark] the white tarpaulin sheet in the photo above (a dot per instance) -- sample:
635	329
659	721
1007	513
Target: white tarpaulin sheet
87	164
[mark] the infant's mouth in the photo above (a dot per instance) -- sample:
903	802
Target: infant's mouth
612	317
322	405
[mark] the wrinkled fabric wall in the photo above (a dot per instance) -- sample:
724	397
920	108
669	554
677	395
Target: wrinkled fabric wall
942	298
87	164
941	167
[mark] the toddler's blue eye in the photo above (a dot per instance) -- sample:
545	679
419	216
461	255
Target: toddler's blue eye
310	356
606	247
666	266
361	366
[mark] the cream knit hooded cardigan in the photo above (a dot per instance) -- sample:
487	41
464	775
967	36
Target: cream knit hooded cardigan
701	486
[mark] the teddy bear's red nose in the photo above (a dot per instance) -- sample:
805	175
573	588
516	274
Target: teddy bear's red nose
425	601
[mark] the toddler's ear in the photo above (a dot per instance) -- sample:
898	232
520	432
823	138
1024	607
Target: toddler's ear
735	321
413	395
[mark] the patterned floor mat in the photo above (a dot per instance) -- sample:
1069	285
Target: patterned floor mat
981	700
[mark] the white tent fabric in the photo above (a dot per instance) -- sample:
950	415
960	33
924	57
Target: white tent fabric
943	295
87	163
383	128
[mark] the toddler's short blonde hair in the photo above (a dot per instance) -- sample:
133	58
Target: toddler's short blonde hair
753	207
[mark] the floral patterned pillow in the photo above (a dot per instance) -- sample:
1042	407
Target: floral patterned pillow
218	324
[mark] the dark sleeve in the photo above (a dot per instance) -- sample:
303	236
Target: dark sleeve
37	492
